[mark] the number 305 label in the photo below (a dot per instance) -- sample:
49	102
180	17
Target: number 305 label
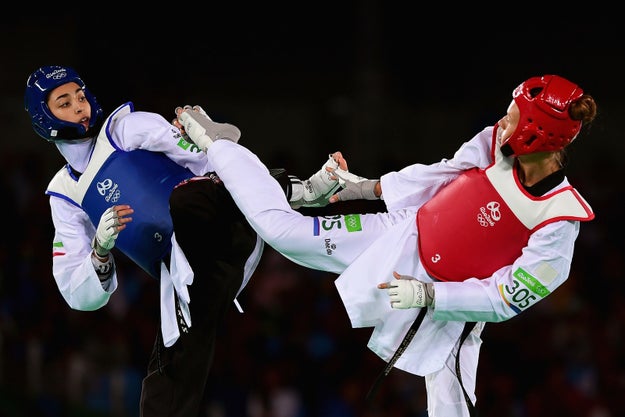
524	291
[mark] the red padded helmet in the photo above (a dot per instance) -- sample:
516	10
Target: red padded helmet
545	123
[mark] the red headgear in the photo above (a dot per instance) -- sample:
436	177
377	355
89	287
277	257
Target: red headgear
545	123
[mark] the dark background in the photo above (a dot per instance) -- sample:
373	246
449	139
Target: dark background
388	85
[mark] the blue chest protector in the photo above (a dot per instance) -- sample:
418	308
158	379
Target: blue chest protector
144	180
140	178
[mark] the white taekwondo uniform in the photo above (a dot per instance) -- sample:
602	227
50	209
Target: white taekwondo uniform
366	249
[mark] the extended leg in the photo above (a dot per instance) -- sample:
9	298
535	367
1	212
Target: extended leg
327	243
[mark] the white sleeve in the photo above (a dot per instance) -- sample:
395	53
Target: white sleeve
416	184
543	266
72	267
152	132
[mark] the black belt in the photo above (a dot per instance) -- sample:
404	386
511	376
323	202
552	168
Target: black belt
468	326
400	350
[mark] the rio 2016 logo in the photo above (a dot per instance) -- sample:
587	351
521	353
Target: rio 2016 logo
109	190
489	215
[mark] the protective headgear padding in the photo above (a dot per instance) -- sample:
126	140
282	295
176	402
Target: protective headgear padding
38	87
545	123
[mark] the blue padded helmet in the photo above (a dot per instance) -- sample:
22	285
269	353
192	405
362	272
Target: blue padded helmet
38	87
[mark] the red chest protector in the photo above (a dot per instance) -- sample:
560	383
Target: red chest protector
483	219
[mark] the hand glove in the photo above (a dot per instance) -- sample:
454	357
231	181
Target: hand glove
354	187
316	190
407	292
202	130
178	110
106	232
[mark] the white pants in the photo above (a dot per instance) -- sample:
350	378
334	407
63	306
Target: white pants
331	244
444	393
328	243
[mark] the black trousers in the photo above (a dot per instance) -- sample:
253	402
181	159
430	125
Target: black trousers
217	240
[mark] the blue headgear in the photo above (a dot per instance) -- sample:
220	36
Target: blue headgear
38	87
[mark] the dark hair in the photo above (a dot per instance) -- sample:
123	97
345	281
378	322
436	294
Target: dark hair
584	109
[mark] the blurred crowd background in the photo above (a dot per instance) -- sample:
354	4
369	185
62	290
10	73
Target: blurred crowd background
386	86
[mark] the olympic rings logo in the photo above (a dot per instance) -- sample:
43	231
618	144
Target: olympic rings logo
107	186
489	215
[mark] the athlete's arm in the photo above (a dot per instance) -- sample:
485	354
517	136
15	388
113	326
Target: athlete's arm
72	259
152	132
543	266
